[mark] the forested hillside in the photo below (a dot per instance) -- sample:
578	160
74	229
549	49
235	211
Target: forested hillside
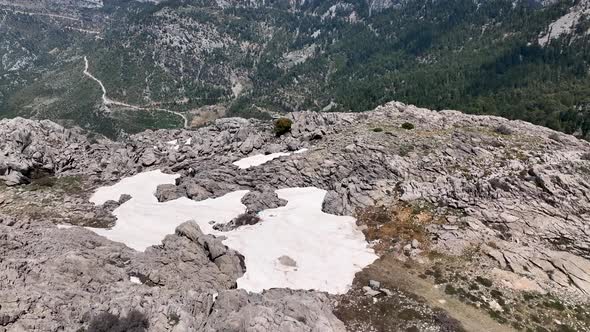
522	60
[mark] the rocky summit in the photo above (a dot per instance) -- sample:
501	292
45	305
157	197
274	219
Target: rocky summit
480	224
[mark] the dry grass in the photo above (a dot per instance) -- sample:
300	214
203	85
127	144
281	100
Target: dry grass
398	222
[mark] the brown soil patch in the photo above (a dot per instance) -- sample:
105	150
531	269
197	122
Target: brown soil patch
401	222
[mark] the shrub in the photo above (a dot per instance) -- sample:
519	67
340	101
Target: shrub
377	130
241	220
173	318
47	181
408	126
484	281
503	130
282	126
246	219
405	149
105	321
449	289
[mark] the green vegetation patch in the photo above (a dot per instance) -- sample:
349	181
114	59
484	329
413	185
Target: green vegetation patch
68	184
282	126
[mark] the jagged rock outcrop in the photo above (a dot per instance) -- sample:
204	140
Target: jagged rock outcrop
275	310
30	148
167	192
74	279
262	199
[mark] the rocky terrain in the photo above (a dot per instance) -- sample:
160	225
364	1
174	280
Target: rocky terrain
480	224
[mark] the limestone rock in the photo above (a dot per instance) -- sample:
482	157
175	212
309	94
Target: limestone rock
91	280
14	178
148	158
168	192
262	199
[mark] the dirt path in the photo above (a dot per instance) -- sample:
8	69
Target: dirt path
392	273
107	101
92	32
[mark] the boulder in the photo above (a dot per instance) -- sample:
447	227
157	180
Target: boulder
168	192
14	178
262	199
148	158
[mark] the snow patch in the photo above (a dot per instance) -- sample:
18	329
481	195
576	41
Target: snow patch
259	159
143	221
142	187
300	247
296	246
135	280
64	226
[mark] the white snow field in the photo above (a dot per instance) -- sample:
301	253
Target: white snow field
300	247
259	159
296	246
143	221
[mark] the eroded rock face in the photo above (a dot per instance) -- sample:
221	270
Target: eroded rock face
262	199
75	279
168	192
520	186
30	147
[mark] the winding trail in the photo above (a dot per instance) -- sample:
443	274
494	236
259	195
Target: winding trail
92	32
107	101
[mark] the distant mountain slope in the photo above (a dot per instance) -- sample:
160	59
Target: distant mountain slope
526	60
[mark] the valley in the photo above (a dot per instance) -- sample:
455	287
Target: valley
250	59
106	101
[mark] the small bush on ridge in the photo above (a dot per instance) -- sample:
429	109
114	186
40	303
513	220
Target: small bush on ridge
408	126
282	126
503	130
